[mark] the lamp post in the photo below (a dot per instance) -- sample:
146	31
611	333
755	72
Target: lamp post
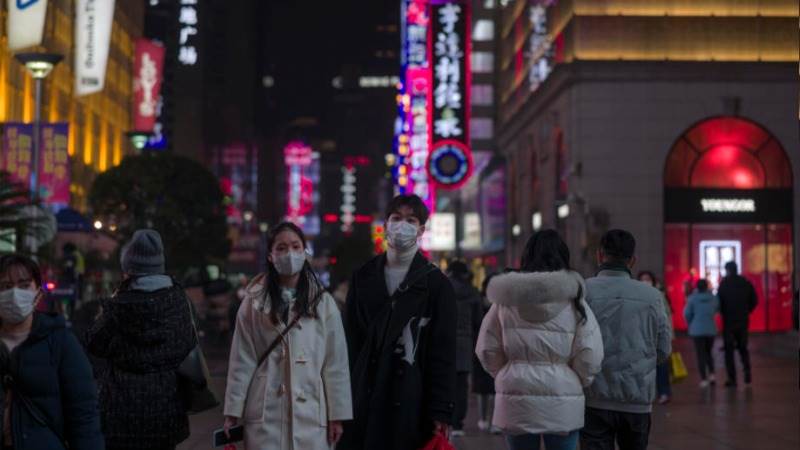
138	139
39	66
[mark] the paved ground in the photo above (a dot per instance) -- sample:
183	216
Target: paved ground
764	417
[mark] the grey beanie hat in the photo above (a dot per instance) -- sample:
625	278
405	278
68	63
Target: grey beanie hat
144	254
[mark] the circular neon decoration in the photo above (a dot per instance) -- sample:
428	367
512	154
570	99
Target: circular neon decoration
450	164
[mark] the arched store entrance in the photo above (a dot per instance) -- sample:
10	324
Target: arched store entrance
728	197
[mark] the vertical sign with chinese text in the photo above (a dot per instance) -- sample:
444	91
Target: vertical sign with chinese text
147	71
187	22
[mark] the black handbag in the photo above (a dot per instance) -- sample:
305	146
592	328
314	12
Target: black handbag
193	377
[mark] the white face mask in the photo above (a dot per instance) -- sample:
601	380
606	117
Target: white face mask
402	235
289	263
16	304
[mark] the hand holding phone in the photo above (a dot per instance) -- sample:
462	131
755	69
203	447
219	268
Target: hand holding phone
230	433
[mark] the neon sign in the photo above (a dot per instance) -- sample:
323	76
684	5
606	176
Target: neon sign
541	52
302	175
412	128
727	205
187	52
450	163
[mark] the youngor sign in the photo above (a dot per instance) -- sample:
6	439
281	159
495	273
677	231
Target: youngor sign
93	19
147	70
25	23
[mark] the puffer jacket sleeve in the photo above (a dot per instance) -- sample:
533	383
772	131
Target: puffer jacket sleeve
242	361
490	343
587	348
336	370
664	342
79	397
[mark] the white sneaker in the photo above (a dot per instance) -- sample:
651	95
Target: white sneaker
712	379
495	430
483	425
704	384
457	433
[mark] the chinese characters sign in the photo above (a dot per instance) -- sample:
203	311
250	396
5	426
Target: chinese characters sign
54	171
148	67
541	51
412	127
433	102
187	22
450	28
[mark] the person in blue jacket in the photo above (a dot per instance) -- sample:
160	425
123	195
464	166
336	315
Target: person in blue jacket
48	395
701	307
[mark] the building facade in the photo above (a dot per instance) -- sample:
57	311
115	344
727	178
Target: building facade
674	120
97	122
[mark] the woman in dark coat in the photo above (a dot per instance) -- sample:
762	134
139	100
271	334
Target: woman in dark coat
49	398
144	333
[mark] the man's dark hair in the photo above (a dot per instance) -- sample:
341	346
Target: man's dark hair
30	266
618	245
731	267
460	270
702	285
412	201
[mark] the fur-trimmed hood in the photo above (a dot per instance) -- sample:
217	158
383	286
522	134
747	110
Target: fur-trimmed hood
538	296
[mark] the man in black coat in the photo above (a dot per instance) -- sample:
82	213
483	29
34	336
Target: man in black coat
401	333
737	299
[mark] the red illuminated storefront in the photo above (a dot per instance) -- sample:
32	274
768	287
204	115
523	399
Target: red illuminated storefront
728	196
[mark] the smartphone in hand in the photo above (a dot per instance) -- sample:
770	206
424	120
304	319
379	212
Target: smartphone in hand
237	435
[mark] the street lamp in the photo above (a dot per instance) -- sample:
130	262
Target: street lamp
39	65
138	138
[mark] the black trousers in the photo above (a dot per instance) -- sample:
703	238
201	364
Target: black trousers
602	427
703	346
462	392
736	338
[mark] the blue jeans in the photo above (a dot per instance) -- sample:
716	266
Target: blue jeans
551	441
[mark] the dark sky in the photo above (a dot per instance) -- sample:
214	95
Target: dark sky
309	42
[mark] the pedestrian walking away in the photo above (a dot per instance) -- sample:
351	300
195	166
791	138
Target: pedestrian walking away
49	397
482	381
701	307
541	342
468	323
288	376
636	337
737	300
401	332
663	386
142	335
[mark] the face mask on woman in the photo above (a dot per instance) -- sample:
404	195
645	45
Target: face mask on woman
402	235
16	304
289	263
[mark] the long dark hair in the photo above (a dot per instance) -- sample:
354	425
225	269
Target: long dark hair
545	251
306	297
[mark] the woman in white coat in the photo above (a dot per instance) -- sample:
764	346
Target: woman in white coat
298	397
541	343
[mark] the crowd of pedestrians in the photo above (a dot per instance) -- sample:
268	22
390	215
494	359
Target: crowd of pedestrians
552	358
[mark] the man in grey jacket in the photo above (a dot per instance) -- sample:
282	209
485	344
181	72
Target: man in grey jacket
636	336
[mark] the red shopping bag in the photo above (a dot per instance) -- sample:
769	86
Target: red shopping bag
438	442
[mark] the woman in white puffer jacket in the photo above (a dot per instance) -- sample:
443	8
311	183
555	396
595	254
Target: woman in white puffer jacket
541	343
